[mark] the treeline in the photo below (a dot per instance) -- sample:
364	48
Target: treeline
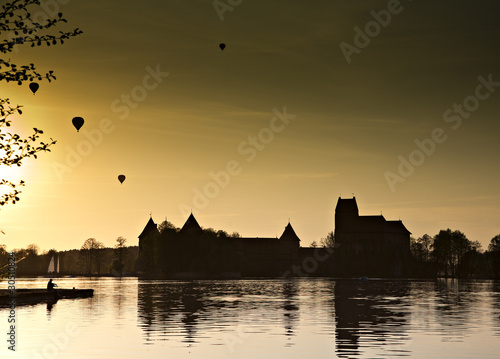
91	259
451	254
447	254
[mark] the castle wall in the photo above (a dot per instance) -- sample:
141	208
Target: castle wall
366	246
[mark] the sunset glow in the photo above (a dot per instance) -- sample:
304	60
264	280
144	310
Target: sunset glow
292	114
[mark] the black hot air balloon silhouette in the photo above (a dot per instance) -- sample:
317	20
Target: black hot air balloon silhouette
222	46
34	87
121	178
78	123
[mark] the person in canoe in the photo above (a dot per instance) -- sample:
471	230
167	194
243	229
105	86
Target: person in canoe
51	285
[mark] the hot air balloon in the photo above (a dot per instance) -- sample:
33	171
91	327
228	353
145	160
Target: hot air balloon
34	87
222	46
121	178
78	123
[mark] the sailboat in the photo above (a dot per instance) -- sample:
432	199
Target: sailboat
53	269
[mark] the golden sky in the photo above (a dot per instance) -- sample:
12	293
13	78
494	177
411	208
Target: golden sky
307	102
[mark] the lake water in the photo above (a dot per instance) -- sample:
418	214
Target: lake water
264	318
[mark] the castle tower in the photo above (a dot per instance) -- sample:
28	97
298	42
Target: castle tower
289	235
191	227
151	227
288	249
346	213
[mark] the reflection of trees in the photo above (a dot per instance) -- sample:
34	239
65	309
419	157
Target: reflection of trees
370	313
119	296
456	301
495	293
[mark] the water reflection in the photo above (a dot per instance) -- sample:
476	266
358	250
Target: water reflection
495	299
359	318
163	306
455	306
50	306
370	311
119	296
290	305
168	309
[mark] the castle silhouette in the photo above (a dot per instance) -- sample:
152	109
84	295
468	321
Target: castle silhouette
368	246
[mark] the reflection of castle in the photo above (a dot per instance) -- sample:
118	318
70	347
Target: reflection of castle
366	246
371	315
183	311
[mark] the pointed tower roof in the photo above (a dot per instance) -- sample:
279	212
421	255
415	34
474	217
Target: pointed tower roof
191	225
150	227
289	234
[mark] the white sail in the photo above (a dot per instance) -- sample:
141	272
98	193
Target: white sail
58	260
51	265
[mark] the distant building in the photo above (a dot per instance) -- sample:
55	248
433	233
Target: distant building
369	245
365	246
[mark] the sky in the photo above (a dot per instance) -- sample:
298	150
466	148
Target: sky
394	102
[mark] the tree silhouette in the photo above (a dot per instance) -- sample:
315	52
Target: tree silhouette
453	253
4	255
494	245
421	252
494	254
328	241
90	252
33	249
120	249
166	225
18	26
